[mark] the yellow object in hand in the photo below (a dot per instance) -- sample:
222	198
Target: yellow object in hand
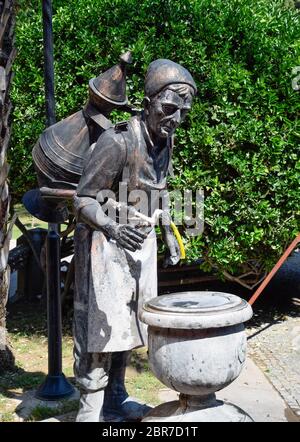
179	240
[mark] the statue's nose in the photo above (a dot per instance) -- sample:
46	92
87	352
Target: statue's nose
176	118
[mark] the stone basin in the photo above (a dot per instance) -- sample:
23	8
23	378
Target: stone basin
197	346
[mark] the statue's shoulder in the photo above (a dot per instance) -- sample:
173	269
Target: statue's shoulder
120	137
121	126
113	134
129	126
128	129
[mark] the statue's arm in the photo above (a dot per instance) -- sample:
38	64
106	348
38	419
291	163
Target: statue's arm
90	212
172	256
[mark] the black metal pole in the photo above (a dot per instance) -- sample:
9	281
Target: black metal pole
54	310
49	63
55	386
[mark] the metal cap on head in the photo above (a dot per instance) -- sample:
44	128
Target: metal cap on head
163	72
111	85
44	210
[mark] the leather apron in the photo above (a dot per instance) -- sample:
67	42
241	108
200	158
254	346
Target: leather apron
118	281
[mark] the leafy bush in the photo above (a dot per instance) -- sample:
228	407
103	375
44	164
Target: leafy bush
240	143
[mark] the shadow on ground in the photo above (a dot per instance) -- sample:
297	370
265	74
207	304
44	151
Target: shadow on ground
29	317
19	379
19	388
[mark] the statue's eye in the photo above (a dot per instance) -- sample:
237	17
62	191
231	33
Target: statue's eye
169	109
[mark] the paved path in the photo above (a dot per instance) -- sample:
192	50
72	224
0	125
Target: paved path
276	350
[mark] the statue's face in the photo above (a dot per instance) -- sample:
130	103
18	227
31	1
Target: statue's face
165	112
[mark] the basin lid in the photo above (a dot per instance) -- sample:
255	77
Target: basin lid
196	310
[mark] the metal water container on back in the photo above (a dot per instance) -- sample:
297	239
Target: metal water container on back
62	150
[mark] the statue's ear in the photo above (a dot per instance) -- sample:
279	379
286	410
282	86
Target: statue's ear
146	104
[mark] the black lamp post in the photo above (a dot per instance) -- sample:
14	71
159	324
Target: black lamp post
56	385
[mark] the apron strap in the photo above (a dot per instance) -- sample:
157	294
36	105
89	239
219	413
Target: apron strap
132	148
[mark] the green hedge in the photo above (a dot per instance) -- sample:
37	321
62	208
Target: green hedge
241	140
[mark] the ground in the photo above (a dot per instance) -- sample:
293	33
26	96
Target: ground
273	344
275	347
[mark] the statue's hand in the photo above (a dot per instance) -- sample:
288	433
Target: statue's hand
89	211
127	236
172	256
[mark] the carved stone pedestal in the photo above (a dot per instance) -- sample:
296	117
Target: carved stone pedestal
197	346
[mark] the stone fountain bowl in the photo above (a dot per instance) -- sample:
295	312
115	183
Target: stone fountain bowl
197	343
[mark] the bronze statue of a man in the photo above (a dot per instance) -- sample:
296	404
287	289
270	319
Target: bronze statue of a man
116	263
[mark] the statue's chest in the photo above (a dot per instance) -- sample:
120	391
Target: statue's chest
146	172
145	169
